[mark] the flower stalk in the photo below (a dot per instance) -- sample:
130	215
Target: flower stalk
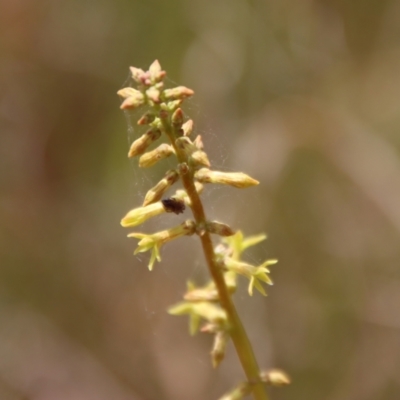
212	304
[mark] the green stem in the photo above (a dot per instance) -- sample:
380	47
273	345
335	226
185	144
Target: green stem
237	332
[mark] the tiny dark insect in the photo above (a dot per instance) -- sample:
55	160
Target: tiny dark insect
173	205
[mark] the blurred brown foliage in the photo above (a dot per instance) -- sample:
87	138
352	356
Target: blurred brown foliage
302	95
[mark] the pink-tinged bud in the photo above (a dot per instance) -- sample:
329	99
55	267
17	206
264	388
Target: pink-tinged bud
275	377
155	193
138	75
219	228
146	119
178	93
152	157
153	94
236	179
156	73
183	168
177	117
163	114
198	143
140	145
187	127
133	98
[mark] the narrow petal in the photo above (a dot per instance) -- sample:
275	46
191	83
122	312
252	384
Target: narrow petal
259	287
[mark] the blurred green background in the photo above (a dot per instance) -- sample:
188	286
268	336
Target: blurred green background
302	95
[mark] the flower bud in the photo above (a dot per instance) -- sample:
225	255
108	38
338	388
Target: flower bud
219	228
236	179
207	293
198	143
178	93
177	117
275	377
152	157
140	214
187	127
183	168
146	118
155	193
191	151
210	328
138	75
140	145
156	73
201	158
171	105
153	94
218	351
240	392
133	98
183	196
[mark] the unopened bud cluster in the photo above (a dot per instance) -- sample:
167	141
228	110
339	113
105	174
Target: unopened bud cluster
167	134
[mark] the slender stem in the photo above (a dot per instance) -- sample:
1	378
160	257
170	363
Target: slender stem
237	332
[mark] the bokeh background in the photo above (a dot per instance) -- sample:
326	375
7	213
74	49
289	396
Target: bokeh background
302	95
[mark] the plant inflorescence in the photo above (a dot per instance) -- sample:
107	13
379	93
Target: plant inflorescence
210	308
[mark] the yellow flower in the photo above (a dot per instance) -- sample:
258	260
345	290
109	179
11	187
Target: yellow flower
254	274
198	310
239	243
154	241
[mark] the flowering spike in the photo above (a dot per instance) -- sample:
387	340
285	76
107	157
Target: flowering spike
211	303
